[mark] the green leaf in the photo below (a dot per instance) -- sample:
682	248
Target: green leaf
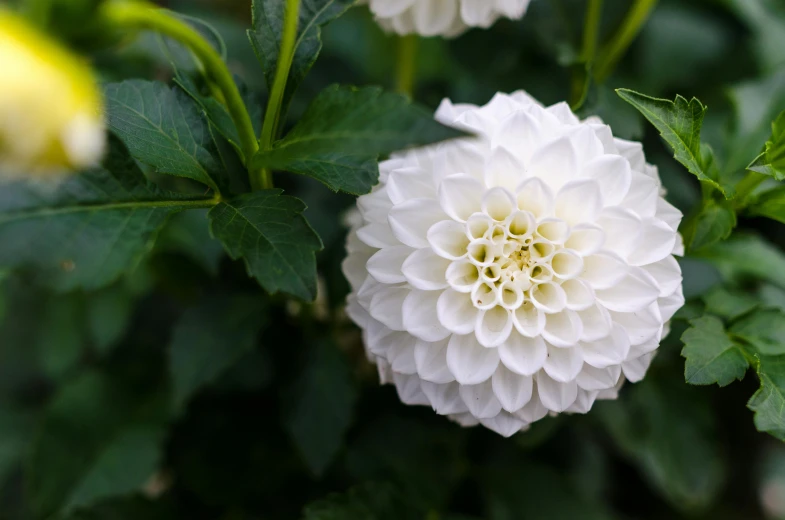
746	256
63	336
768	402
321	406
712	356
89	229
715	222
164	128
772	160
268	17
209	339
268	231
217	112
345	129
667	429
99	438
729	303
679	123
770	204
764	330
369	501
109	313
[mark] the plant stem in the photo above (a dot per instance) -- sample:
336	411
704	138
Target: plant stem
141	15
407	64
580	75
615	49
273	115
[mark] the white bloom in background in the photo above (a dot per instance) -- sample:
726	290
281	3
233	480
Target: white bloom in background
443	17
523	272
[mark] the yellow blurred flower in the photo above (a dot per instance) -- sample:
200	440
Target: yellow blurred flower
51	112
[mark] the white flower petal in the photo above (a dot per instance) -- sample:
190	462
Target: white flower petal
409	183
536	197
556	396
505	170
431	361
556	163
385	266
563	364
522	355
445	398
578	202
603	270
409	390
635	369
519	133
529	320
613	174
595	379
562	329
636	291
470	362
481	400
448	239
493	326
401	355
456	312
512	390
387	306
609	351
419	316
498	203
585	239
504	424
425	270
597	323
460	196
411	220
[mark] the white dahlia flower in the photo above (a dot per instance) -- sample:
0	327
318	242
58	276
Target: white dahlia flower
523	272
443	17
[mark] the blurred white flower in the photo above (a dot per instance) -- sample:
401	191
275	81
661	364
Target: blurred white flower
51	113
443	17
523	272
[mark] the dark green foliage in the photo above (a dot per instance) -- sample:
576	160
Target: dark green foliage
160	357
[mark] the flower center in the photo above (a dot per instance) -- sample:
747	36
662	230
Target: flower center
515	261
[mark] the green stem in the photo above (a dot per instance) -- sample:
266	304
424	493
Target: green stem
615	49
141	15
273	115
407	64
580	75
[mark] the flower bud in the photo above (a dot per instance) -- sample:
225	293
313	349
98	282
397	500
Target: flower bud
50	110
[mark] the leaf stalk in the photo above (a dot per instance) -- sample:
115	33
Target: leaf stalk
273	114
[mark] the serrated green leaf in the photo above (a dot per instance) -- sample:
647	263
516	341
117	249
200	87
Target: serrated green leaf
209	339
345	129
729	303
768	402
772	161
100	438
712	356
679	123
268	16
715	222
89	229
770	204
268	231
164	128
746	256
217	112
188	233
764	330
320	407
